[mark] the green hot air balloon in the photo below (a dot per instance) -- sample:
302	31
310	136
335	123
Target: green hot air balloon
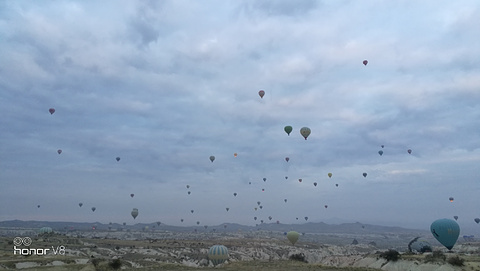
446	231
288	129
292	236
218	254
305	131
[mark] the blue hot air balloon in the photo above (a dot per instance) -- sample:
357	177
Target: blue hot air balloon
218	254
446	231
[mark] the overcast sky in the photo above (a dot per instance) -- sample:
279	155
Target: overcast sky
166	84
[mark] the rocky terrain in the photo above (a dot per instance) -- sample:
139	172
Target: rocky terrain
160	249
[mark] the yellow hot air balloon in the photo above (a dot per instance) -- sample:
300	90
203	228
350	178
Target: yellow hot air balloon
305	131
330	175
293	236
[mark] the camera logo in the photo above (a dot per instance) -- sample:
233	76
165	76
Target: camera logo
21	246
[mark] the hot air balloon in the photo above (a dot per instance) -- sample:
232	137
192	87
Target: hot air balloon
286	177
446	231
261	93
181	220
264	179
212	158
409	151
450	199
287	159
51	110
455	217
380	152
326	206
263	189
285	200
80	204
336	184
158	223
315	183
365	62
382	146
188	186
189	192
329	175
235	155
305	132
131	195
288	129
254	218
198	222
293	236
227	209
270	218
364	174
261	207
134	213
218	254
93	209
306	218
118	159
258	203
124	223
191	211
477	220
59	151
38	206
234	194
299	180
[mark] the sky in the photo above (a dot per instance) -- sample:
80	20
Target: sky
164	85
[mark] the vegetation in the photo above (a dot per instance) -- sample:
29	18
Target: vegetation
456	261
390	255
298	257
436	256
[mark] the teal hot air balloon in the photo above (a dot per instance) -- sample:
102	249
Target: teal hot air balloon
288	129
218	254
292	236
446	231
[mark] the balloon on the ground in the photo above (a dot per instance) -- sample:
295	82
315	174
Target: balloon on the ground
293	236
418	245
446	231
218	254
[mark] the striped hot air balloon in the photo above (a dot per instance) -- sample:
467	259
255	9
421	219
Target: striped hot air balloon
218	254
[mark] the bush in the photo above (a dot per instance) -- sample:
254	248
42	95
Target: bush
390	255
456	261
298	257
115	264
436	256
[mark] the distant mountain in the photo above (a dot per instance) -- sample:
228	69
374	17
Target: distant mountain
311	227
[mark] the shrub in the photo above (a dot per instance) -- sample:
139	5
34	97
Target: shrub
390	255
456	261
436	256
115	264
298	257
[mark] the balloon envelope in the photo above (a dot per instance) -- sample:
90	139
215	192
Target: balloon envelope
409	151
261	93
288	129
51	110
212	158
93	209
446	231
59	151
380	152
365	174
477	220
80	204
330	175
293	236
118	159
134	213
305	132
218	254
365	62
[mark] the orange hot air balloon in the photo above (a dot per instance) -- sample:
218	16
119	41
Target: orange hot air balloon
261	93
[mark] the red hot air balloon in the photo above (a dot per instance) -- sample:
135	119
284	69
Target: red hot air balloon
287	159
365	62
51	110
261	93
59	151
